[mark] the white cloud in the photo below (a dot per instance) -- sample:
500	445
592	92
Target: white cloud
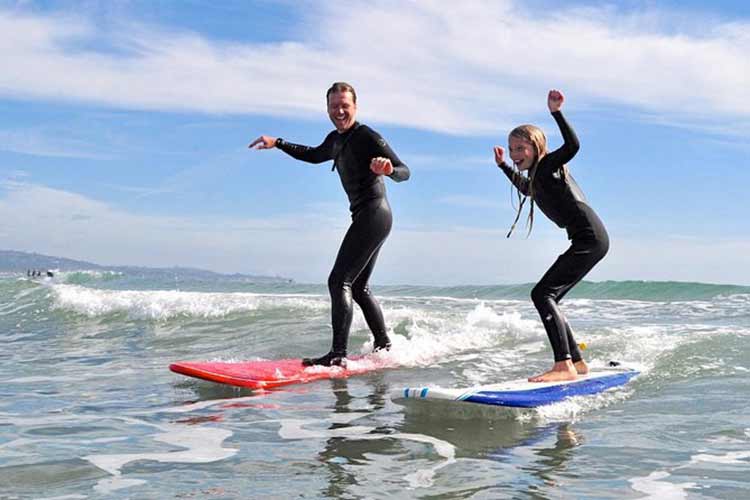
479	67
66	224
304	246
48	143
140	191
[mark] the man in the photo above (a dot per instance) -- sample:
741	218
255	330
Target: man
362	158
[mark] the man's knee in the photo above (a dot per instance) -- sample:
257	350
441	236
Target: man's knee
337	282
360	293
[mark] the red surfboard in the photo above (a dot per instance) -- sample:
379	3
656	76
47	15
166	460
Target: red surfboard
273	373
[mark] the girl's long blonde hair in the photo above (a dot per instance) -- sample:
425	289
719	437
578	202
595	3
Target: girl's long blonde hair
535	136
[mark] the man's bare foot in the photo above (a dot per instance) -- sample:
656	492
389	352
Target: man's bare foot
581	367
561	371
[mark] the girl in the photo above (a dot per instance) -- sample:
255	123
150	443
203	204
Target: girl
549	184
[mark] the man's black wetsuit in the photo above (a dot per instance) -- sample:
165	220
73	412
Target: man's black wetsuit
556	193
352	152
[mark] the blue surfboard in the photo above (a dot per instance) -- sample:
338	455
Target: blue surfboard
521	393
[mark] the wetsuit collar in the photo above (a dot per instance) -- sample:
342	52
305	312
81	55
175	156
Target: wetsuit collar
344	139
351	129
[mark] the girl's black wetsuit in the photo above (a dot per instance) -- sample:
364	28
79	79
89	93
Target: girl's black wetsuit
556	193
352	152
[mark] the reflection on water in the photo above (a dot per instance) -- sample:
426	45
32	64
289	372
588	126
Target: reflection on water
418	447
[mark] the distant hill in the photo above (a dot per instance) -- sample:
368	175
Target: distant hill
12	261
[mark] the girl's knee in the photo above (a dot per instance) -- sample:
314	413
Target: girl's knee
539	295
601	249
603	245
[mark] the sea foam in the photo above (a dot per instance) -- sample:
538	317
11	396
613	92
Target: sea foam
166	304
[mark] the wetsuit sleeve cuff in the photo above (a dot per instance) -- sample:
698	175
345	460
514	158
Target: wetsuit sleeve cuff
279	142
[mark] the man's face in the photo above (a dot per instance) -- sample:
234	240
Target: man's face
342	110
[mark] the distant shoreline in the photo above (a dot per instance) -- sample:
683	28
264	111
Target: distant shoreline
14	261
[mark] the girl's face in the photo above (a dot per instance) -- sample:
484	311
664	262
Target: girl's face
521	152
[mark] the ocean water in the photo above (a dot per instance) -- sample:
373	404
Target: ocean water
89	409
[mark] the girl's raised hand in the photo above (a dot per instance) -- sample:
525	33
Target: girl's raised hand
263	142
499	155
555	100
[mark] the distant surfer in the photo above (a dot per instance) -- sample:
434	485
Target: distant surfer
362	158
36	273
549	184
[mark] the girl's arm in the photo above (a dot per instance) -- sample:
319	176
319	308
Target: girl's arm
518	180
570	147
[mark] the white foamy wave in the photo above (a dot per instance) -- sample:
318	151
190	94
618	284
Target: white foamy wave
434	337
166	304
640	347
485	318
571	409
655	486
732	458
200	446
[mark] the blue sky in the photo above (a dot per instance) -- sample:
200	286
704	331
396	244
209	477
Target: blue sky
124	126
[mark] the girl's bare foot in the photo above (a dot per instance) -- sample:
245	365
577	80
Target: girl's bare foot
581	367
561	371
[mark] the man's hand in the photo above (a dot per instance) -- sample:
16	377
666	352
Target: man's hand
381	166
263	142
